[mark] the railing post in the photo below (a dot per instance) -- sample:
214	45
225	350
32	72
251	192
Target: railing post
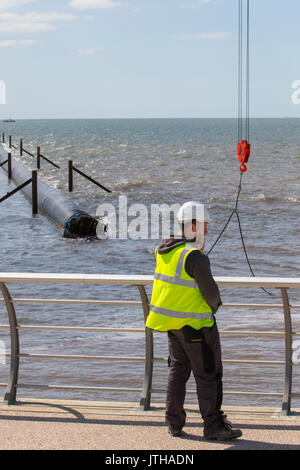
34	193
70	170
145	400
21	147
3	138
286	400
11	389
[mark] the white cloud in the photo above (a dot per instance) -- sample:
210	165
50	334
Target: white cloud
25	27
13	43
93	4
91	51
8	4
35	16
36	22
31	22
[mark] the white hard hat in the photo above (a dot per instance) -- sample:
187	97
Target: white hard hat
193	210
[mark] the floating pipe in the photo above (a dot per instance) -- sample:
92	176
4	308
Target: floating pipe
76	223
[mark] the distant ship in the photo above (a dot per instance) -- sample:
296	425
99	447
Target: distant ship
8	120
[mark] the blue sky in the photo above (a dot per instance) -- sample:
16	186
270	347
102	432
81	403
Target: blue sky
144	58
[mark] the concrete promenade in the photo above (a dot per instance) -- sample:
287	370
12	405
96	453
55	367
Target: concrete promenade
83	425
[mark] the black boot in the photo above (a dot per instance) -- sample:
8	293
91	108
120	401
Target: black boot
222	431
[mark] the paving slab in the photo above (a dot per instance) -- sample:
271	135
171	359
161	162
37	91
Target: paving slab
83	425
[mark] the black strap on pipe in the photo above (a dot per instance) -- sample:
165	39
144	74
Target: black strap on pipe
92	180
49	161
28	153
42	156
16	190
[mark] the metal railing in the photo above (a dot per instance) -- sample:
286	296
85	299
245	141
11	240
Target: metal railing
140	282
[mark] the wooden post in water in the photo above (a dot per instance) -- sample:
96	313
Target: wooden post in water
3	137
9	166
38	158
9	141
70	169
34	193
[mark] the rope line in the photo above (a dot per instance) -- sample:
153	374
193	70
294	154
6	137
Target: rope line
230	217
235	212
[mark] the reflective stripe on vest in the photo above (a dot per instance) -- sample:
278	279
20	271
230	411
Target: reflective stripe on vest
173	280
173	313
177	278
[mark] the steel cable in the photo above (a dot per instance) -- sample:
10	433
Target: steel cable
240	118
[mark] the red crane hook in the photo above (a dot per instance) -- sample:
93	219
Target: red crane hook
243	153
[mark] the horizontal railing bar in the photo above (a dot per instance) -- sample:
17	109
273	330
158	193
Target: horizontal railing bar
137	280
154	390
228	392
255	306
138	330
252	333
67	278
80	328
76	328
78	387
134	302
73	301
234	361
81	357
258	394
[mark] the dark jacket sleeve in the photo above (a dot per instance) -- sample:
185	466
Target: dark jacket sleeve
197	265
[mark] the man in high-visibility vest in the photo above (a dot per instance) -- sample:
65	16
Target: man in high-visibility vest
184	300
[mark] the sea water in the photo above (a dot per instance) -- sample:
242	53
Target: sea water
152	161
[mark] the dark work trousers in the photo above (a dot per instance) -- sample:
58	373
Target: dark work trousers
203	358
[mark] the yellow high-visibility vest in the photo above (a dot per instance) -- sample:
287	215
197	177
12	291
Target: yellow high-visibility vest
176	298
